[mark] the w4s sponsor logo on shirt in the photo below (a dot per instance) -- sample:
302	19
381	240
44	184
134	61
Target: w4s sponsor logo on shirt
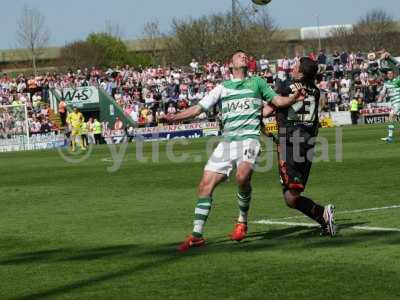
239	105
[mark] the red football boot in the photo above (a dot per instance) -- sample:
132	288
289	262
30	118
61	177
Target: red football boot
190	242
239	233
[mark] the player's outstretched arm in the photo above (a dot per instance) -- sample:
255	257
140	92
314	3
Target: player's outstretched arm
280	101
296	95
189	113
204	105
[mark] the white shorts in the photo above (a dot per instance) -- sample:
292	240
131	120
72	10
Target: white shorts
229	155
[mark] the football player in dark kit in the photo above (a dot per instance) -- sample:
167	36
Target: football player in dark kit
298	128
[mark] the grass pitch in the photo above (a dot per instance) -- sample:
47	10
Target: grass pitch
77	231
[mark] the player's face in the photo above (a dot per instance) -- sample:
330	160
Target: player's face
240	60
390	75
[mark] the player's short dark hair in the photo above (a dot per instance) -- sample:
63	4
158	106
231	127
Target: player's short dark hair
236	52
309	68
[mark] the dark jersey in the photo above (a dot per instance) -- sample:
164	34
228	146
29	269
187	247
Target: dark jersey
303	113
302	120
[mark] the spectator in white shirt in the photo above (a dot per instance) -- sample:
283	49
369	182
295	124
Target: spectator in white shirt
194	65
264	63
346	81
134	115
332	100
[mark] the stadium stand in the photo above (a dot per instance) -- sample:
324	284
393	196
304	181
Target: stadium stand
146	95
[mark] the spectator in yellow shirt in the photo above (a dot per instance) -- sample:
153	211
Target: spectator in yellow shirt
75	121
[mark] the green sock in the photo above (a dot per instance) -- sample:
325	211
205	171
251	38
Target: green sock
201	213
244	198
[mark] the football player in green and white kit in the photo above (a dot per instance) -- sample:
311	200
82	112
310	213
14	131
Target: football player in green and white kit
391	91
241	100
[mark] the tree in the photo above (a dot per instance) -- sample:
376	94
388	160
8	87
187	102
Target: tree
81	54
152	37
189	39
114	49
260	33
114	29
375	29
342	38
217	36
32	33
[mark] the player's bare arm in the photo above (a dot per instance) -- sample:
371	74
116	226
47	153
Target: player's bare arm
296	95
189	113
280	101
196	110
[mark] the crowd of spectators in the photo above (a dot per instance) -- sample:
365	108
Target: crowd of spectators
345	77
18	93
147	94
348	76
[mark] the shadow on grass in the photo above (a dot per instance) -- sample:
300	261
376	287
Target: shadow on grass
285	232
99	279
262	235
296	238
69	254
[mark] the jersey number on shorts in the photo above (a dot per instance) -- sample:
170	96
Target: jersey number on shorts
250	153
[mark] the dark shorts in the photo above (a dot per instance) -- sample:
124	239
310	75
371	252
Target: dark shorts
295	155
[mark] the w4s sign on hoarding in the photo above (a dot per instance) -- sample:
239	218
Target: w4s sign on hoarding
80	96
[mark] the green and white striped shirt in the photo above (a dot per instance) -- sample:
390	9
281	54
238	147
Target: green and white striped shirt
241	102
392	90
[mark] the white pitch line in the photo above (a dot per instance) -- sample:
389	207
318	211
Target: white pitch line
107	159
367	228
349	211
270	222
369	209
